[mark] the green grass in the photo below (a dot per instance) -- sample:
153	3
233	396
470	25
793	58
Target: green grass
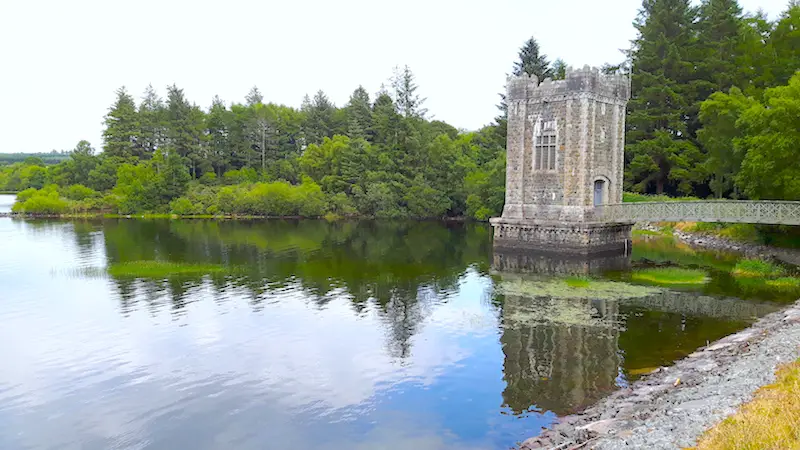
670	276
757	268
160	269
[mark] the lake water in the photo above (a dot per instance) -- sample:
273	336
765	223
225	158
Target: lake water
348	335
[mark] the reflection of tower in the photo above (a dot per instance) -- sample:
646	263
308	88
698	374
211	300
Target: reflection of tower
527	261
561	355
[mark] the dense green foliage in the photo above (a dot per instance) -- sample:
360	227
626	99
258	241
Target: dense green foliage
380	158
715	102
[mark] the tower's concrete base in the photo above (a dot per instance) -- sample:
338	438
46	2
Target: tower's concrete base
576	238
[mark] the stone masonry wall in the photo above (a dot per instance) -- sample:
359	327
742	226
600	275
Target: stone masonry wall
589	109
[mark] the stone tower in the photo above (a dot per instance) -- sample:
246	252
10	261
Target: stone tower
565	157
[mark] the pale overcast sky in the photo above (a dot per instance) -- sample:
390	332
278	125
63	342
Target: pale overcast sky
61	61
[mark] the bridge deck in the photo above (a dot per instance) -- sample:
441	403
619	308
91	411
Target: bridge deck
741	211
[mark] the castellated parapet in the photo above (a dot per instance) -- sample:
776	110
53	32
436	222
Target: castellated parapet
565	157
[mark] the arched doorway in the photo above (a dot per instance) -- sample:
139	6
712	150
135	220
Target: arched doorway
600	192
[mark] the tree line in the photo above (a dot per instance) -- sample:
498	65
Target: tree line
378	157
715	111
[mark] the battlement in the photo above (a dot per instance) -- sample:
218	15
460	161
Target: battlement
577	82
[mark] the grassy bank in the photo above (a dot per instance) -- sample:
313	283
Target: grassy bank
770	421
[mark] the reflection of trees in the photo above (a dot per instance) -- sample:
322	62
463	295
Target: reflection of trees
560	355
400	268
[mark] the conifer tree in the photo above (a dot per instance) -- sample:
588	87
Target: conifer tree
532	62
122	127
658	111
254	97
151	123
359	114
408	102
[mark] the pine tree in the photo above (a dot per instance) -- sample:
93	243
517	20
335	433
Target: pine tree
218	126
185	128
319	118
254	97
122	127
662	68
531	62
559	69
717	54
386	120
151	124
784	44
720	25
359	114
408	102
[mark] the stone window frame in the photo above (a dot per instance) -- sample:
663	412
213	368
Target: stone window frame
545	146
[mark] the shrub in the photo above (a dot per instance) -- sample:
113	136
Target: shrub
183	207
42	202
79	192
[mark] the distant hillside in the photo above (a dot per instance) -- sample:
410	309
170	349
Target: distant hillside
47	158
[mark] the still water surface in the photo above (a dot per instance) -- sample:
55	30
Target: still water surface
343	336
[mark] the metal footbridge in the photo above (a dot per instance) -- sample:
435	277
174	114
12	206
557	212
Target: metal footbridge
729	211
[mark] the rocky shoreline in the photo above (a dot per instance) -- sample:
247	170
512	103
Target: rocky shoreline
672	406
710	242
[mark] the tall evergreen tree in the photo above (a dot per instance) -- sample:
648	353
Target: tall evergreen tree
386	120
529	62
662	68
254	97
359	114
532	62
122	126
218	123
408	102
784	44
319	118
185	129
151	123
717	54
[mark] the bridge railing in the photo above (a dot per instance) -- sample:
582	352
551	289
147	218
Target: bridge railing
741	211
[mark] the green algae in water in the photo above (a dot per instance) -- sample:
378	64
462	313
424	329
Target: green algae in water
574	288
156	269
670	276
752	268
